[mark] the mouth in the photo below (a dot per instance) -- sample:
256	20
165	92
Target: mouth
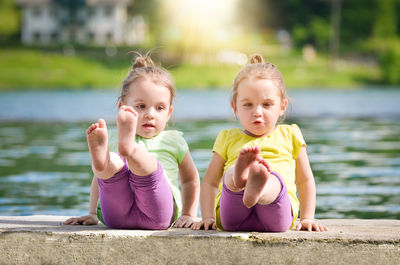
257	123
148	126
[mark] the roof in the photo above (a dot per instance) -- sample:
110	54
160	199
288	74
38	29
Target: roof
94	2
32	2
89	2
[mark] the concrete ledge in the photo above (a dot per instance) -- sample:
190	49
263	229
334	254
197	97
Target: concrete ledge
44	240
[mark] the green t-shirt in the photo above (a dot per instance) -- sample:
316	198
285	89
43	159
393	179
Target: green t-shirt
169	148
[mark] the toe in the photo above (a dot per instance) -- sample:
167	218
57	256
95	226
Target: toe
102	123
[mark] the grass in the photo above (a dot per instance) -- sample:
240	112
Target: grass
30	69
37	69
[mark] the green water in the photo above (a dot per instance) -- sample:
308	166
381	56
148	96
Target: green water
45	166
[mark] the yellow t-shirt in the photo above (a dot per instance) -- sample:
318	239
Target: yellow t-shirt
280	148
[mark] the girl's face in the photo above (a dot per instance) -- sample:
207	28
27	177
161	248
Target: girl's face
152	103
258	106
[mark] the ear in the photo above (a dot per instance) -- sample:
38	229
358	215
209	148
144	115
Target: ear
233	106
120	104
171	109
283	106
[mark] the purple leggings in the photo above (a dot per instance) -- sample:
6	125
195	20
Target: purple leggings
129	201
274	217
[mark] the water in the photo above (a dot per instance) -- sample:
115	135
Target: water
353	142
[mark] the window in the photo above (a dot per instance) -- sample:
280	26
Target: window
108	10
36	11
54	36
90	36
91	11
36	36
53	12
109	37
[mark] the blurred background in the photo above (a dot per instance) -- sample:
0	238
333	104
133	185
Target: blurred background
62	63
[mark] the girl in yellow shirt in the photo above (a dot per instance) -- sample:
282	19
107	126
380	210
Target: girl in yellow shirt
255	173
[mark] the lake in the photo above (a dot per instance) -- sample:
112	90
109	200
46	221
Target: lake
353	142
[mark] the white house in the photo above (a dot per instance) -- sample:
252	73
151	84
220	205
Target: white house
96	22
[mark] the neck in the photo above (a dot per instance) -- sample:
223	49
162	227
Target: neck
258	136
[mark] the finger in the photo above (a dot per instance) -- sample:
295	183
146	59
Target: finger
188	223
298	227
66	222
316	227
177	224
197	226
182	223
214	226
309	227
209	225
192	221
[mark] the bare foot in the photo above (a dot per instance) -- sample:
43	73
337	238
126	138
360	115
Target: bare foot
247	156
258	177
97	138
126	123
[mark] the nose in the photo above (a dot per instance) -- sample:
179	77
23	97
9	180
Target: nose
257	111
150	113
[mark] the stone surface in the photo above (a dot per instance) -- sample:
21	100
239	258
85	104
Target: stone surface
45	240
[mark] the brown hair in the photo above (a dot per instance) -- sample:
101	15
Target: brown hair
144	67
257	68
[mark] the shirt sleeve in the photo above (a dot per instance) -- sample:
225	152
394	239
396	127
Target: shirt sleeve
182	146
220	144
297	140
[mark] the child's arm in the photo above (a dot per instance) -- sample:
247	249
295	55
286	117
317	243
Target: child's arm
94	197
306	189
190	184
91	218
208	192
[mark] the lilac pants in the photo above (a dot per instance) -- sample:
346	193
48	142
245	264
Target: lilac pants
129	201
274	217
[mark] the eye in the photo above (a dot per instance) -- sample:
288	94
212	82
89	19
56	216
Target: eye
268	104
247	104
160	108
140	106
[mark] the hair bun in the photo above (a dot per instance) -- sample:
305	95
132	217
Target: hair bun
256	58
139	62
142	61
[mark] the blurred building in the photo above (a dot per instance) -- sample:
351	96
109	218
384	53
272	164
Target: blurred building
94	22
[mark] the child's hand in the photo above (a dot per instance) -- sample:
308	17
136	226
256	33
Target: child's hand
90	219
310	225
185	221
208	223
